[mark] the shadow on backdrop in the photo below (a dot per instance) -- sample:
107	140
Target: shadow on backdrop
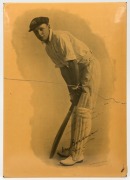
50	101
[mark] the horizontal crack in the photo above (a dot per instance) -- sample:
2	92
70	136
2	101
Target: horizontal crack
41	81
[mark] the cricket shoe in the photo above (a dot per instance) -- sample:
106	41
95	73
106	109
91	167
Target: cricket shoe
70	162
65	152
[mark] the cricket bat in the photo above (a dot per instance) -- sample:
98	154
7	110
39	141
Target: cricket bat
60	132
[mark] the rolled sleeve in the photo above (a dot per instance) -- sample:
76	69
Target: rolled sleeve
67	48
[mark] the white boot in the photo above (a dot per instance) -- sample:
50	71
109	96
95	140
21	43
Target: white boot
70	161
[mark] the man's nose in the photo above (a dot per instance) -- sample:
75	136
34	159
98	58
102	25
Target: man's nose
41	32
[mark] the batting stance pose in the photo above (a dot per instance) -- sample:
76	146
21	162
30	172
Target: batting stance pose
81	72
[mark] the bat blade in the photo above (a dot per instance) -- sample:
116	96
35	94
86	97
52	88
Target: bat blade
60	132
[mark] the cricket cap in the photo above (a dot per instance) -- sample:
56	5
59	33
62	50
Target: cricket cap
37	22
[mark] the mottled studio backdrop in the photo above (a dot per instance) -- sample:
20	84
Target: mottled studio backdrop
50	98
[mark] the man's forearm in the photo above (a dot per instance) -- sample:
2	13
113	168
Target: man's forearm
74	70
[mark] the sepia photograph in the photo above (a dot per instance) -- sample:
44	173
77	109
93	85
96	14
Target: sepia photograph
65	90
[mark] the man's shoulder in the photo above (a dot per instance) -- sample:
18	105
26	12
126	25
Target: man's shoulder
60	34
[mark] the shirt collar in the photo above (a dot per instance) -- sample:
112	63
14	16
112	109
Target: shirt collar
50	35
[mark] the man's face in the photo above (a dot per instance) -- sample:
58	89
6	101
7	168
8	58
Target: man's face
42	32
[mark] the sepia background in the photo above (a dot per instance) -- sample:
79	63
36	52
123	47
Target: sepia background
36	99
